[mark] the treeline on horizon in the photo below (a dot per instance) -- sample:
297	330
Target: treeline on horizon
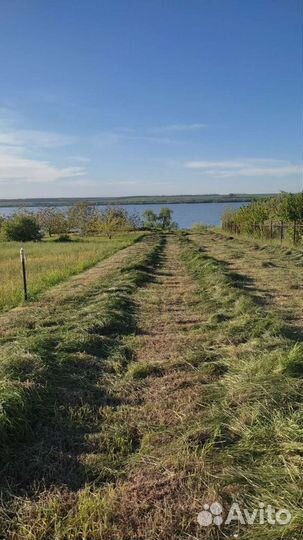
135	199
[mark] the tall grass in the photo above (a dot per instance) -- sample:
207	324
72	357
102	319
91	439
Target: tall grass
253	415
49	263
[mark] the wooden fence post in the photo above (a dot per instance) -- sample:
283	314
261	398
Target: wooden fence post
23	266
295	232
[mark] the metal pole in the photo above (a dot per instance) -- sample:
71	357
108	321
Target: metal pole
23	265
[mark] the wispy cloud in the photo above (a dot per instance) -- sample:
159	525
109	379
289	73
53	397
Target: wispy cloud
153	139
246	167
16	150
34	138
17	168
167	134
12	135
179	128
80	159
113	137
134	183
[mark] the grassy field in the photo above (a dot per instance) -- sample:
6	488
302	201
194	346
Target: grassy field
166	378
50	262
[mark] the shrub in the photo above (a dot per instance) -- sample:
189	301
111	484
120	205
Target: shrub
22	228
256	219
199	228
64	238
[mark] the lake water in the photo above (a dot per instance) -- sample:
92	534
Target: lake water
184	214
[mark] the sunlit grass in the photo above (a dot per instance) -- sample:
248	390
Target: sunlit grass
132	432
56	387
50	262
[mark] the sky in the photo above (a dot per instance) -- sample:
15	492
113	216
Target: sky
150	97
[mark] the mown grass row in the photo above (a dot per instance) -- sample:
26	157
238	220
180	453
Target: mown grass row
253	418
109	465
290	253
50	262
238	435
56	392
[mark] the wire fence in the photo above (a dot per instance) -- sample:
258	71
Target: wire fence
288	231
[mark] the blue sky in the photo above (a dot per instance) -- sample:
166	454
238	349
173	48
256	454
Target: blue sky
125	97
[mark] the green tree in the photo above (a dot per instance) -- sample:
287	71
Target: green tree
52	221
82	216
291	207
149	219
165	217
114	219
135	220
22	228
259	216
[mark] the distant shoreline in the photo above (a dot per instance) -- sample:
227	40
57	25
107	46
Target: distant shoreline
136	199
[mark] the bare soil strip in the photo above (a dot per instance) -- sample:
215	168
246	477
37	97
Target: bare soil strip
164	310
167	324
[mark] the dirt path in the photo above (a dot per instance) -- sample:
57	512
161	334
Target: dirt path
159	489
167	324
164	314
271	274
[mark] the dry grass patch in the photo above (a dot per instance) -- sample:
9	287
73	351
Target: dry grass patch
49	263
